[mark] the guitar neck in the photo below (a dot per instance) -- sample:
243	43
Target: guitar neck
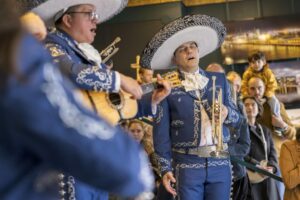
149	87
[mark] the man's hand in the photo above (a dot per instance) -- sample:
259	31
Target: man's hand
161	93
131	86
166	180
270	169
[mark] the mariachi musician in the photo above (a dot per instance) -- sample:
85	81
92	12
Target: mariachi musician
182	126
73	28
75	24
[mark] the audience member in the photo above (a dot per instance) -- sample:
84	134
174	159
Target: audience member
256	88
146	75
215	67
258	67
239	144
236	81
290	167
262	153
136	130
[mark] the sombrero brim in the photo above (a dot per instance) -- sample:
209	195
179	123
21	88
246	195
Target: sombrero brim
208	32
106	9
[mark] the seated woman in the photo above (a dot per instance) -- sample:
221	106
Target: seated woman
290	167
262	152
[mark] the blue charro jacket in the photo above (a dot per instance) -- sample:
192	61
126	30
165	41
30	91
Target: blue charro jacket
84	73
45	132
239	144
178	120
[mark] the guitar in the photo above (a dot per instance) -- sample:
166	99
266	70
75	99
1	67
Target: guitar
114	107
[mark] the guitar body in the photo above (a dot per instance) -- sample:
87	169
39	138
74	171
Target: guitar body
111	106
114	107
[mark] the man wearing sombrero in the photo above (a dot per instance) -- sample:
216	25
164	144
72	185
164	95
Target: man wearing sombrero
184	144
69	44
45	131
75	23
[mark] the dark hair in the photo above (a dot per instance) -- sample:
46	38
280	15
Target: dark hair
256	56
260	107
58	21
178	47
10	30
298	134
70	9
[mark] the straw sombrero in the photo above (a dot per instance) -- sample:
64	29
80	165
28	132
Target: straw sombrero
208	32
47	9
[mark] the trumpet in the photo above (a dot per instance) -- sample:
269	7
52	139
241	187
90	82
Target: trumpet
110	50
217	128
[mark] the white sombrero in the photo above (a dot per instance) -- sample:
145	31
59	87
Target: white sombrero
48	9
208	32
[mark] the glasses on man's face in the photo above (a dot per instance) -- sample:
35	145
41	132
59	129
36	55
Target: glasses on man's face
93	16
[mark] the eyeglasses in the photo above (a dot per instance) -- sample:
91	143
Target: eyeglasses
92	15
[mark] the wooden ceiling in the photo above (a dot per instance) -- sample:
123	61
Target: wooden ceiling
132	3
